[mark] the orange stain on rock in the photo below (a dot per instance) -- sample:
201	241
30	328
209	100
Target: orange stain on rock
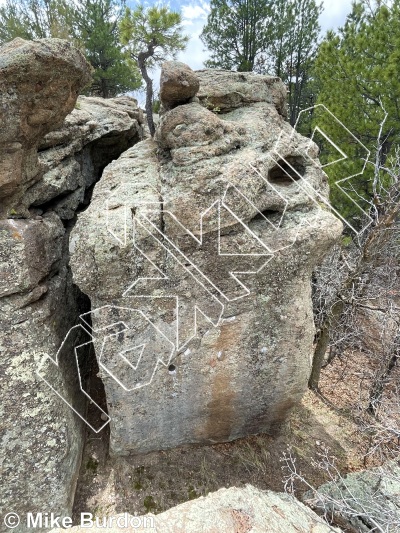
220	408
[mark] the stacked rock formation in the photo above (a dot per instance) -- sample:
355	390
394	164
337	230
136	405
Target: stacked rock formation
196	252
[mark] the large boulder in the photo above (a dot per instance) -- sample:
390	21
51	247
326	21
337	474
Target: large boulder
246	510
196	252
73	156
178	84
221	90
40	193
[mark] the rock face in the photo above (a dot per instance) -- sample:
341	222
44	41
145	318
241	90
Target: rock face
233	510
220	90
196	252
39	197
74	156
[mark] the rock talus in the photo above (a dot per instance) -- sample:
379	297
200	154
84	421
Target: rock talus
362	501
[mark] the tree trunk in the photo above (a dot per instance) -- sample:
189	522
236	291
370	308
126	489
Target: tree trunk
149	88
104	88
323	343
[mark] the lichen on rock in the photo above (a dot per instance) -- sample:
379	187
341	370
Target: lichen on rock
51	154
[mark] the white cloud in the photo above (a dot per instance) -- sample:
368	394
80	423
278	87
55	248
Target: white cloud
195	53
334	14
194	18
199	8
193	12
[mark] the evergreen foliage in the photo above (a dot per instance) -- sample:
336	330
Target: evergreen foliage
237	33
270	37
356	73
152	35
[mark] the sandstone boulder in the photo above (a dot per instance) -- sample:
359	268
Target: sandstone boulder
178	84
73	156
39	84
196	252
362	501
233	510
221	91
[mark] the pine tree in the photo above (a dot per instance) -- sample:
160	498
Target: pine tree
152	35
237	32
293	48
35	19
269	37
357	74
97	23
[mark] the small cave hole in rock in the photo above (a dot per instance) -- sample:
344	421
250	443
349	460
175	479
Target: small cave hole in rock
287	170
172	369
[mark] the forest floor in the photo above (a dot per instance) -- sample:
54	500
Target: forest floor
158	481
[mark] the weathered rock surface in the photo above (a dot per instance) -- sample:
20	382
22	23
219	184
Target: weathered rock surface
178	84
73	157
219	90
362	501
233	510
189	351
39	84
41	438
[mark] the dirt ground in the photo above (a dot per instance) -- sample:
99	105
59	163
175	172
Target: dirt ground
158	481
